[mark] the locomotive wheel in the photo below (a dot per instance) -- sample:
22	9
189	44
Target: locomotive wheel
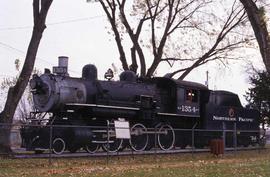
139	139
166	137
58	146
113	146
91	148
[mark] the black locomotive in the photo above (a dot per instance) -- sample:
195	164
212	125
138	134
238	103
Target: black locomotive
154	108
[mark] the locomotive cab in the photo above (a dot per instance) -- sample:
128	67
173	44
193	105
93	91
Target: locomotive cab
189	98
165	95
188	102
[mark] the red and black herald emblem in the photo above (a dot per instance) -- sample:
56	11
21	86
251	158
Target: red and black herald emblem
231	112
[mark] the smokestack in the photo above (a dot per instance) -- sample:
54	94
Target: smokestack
63	61
62	68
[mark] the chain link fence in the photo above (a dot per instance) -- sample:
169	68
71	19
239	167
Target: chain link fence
54	141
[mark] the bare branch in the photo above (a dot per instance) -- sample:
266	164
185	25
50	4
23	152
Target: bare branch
112	19
134	39
227	27
184	19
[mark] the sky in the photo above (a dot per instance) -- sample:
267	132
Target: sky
79	30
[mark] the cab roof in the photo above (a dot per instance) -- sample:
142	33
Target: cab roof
180	83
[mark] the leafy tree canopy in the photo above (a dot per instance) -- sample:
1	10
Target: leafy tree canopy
259	95
182	33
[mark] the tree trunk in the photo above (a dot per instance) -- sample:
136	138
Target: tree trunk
6	119
260	30
5	144
40	10
5	132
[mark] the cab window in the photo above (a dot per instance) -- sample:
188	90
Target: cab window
181	95
191	95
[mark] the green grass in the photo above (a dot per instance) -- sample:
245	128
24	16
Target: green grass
242	164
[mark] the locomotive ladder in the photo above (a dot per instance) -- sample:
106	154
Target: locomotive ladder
109	142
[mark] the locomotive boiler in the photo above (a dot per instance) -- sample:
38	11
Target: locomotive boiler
158	105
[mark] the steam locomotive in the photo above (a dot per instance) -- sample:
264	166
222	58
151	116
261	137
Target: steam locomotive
85	112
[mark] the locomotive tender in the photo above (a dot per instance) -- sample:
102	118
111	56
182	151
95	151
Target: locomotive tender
158	105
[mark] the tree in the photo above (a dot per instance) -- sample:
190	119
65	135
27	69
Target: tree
153	25
40	10
258	96
258	22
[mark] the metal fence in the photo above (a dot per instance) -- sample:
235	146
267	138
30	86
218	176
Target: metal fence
157	140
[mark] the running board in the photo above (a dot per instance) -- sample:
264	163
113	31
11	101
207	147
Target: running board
102	142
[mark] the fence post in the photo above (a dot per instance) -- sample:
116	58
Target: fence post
155	142
193	138
130	144
132	152
235	138
117	152
108	139
192	134
224	135
50	150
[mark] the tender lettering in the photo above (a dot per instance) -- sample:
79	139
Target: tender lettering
224	118
242	119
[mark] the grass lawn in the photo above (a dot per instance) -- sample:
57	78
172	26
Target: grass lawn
243	164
